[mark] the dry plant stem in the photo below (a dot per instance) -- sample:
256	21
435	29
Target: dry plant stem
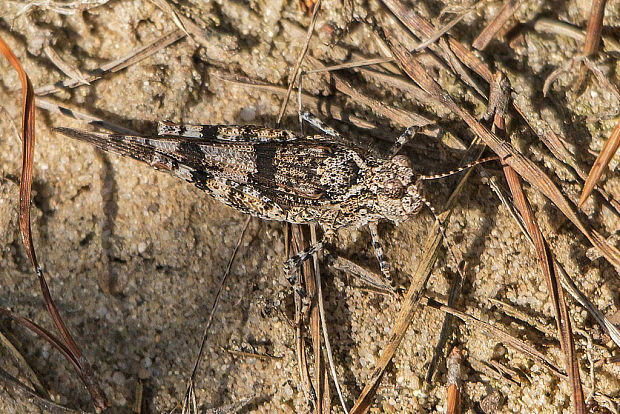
593	35
400	116
410	300
565	29
522	165
300	59
116	65
499	335
216	301
600	76
595	27
562	316
29	373
328	347
299	243
489	32
25	190
20	390
603	159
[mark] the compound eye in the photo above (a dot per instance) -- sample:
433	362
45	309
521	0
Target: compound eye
394	189
402	160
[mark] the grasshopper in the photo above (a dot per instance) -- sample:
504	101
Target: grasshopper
279	175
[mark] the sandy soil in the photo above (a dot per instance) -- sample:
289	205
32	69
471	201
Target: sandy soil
134	257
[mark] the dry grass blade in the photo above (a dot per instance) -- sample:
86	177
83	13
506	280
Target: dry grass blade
13	389
567	281
318	393
25	191
400	116
189	391
522	165
446	325
364	275
559	305
73	73
508	9
350	65
323	320
451	50
92	120
419	27
300	58
558	149
305	275
28	373
500	335
53	340
603	159
565	29
118	64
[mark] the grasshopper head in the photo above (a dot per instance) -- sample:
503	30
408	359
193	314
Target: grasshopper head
398	191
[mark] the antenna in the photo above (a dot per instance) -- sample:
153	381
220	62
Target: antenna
458	170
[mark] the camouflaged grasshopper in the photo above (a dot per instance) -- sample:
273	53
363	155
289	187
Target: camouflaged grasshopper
279	175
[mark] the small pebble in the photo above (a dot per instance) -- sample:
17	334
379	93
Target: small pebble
248	113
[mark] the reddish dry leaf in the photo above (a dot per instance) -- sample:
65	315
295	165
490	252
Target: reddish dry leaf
603	159
73	352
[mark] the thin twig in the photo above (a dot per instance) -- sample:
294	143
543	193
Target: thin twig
119	64
300	58
216	301
328	347
488	33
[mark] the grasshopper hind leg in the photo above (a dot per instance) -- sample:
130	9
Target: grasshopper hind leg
384	265
292	265
318	124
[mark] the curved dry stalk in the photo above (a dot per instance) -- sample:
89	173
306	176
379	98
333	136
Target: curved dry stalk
73	351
